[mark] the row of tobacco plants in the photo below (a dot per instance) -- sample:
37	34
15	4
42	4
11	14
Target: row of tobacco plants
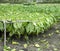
40	18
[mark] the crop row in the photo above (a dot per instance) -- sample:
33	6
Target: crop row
42	17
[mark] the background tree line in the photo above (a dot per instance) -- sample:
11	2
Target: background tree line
28	1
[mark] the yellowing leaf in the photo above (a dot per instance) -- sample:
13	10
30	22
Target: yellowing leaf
9	47
57	31
49	34
37	45
14	43
25	45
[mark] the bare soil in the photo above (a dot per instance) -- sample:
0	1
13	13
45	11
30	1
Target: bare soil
1	45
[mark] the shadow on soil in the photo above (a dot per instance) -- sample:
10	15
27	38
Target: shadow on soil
1	41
